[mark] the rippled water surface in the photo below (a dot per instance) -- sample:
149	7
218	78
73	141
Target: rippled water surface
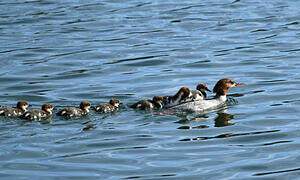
63	52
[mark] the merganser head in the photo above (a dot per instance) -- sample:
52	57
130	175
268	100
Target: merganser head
223	85
202	87
115	102
47	107
85	105
158	101
23	105
183	93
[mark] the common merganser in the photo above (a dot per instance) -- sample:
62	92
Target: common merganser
35	114
179	97
15	111
113	105
199	93
220	89
72	111
147	104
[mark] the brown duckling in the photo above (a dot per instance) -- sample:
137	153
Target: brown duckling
36	114
73	111
148	104
113	105
15	111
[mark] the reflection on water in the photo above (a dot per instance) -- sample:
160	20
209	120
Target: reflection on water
228	135
222	120
187	118
276	172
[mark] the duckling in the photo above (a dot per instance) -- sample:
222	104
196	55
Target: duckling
72	111
15	111
113	105
37	114
147	104
199	93
179	97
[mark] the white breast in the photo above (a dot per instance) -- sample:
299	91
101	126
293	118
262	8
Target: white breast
201	105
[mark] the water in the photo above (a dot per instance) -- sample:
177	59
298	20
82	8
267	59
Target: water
63	52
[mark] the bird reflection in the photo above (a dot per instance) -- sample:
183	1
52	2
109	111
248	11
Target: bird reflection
187	118
222	119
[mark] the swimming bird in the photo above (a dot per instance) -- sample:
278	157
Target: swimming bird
220	89
73	111
113	105
199	93
179	97
148	104
37	114
15	111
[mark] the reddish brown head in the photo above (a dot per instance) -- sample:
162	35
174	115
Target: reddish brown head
202	86
184	92
47	107
22	105
223	85
158	101
85	105
115	102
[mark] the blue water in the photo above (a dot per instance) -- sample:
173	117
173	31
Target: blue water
63	52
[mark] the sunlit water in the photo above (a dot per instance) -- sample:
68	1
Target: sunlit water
63	52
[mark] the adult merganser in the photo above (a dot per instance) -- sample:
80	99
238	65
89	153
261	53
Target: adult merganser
147	104
220	89
179	97
35	114
72	111
113	105
15	111
199	93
